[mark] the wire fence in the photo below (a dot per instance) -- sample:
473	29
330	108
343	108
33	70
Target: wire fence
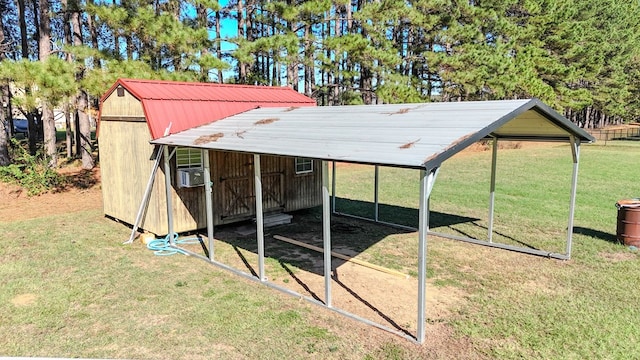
626	133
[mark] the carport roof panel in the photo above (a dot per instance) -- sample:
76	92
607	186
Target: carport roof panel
406	135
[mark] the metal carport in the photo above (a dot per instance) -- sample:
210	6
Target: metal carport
417	136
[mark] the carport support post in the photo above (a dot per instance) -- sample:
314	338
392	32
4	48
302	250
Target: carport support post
575	153
259	215
375	193
326	231
492	189
167	185
208	201
333	187
427	180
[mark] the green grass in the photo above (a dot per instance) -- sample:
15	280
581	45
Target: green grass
70	289
522	306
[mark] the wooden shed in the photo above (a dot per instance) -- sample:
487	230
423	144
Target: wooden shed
134	112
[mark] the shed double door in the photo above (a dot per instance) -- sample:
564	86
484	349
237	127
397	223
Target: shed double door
236	183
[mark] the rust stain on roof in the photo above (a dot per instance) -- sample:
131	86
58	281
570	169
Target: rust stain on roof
429	158
401	111
207	138
240	133
291	108
409	144
453	144
266	121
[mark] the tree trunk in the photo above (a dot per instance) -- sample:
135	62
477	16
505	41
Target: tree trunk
25	55
250	33
308	64
68	132
242	70
219	46
85	131
84	126
91	24
5	122
292	62
201	16
44	48
67	107
36	21
24	44
337	32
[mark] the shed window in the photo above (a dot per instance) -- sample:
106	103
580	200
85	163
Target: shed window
188	158
304	165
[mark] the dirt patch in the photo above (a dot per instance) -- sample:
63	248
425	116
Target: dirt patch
24	300
81	192
618	257
380	297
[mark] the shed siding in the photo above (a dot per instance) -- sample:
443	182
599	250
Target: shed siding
234	190
122	107
125	167
233	186
304	190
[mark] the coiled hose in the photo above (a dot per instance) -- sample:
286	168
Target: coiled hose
162	247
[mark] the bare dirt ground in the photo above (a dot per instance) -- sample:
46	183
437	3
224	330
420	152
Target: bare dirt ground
80	194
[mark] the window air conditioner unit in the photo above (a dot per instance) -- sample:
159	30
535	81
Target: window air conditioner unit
190	178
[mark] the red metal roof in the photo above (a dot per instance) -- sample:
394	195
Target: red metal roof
185	105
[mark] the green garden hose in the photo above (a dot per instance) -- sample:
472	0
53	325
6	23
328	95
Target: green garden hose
162	247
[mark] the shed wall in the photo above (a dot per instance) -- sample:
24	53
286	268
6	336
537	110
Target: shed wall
126	162
234	191
304	190
122	108
125	166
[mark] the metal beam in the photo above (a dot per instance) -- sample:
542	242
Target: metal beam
376	183
333	186
326	233
168	194
575	153
427	180
492	187
208	193
403	227
501	246
147	192
259	215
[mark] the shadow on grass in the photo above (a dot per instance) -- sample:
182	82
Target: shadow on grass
516	241
349	236
398	214
596	234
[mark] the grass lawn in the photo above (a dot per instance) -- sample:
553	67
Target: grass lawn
69	288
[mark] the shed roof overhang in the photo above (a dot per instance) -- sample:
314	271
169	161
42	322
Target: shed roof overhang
420	136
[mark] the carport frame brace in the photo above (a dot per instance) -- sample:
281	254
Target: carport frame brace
427	181
474	121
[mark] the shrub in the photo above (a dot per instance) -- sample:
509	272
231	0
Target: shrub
30	172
